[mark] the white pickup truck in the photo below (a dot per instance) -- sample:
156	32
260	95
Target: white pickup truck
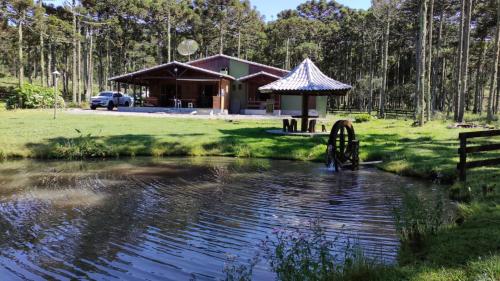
110	100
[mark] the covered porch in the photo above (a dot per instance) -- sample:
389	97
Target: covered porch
256	102
178	87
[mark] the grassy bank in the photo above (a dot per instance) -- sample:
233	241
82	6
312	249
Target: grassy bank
466	250
428	152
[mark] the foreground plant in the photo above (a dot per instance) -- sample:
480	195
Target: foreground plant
416	217
235	271
308	254
84	146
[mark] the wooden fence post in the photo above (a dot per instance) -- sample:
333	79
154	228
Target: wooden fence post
463	157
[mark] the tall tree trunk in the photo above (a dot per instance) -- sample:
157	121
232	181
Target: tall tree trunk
66	71
465	60
159	48
434	86
42	59
49	66
79	65
458	87
494	73
444	93
101	68
221	38
421	63
169	36
90	65
86	62
287	56
370	101
239	42
385	56
479	78
31	69
20	47
73	72
429	62
108	64
497	103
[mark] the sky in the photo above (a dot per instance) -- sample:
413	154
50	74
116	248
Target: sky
270	8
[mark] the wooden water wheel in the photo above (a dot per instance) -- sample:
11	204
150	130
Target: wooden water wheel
343	148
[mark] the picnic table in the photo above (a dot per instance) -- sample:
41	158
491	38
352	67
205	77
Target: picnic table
291	125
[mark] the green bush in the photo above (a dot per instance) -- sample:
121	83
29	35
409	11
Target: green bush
82	147
417	217
310	255
32	96
362	118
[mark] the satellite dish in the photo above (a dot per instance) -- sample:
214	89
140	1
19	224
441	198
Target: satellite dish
187	48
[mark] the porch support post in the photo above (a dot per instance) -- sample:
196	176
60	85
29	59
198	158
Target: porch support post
219	96
135	96
305	112
140	93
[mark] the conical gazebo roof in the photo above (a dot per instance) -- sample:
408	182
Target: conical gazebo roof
306	78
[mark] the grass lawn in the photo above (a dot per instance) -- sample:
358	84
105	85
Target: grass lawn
466	251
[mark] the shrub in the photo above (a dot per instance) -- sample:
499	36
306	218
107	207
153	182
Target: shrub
32	96
310	255
417	217
82	147
362	118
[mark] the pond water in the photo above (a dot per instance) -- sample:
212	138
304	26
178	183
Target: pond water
172	219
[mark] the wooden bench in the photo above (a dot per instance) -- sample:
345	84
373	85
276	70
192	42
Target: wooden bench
463	165
289	125
312	126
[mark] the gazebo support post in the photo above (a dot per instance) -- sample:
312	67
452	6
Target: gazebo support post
305	112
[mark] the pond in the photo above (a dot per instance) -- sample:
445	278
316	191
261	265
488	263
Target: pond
178	218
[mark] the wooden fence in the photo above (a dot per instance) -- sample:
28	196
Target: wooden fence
463	165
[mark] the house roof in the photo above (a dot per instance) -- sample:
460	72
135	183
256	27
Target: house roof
261	73
165	65
306	78
240	60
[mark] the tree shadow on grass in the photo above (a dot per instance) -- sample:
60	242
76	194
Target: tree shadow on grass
256	142
422	156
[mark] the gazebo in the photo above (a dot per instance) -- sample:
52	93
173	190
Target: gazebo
306	80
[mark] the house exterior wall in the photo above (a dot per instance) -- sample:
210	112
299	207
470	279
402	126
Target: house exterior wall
258	68
238	69
214	64
238	89
293	105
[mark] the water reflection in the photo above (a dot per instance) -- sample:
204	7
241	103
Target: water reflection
177	218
